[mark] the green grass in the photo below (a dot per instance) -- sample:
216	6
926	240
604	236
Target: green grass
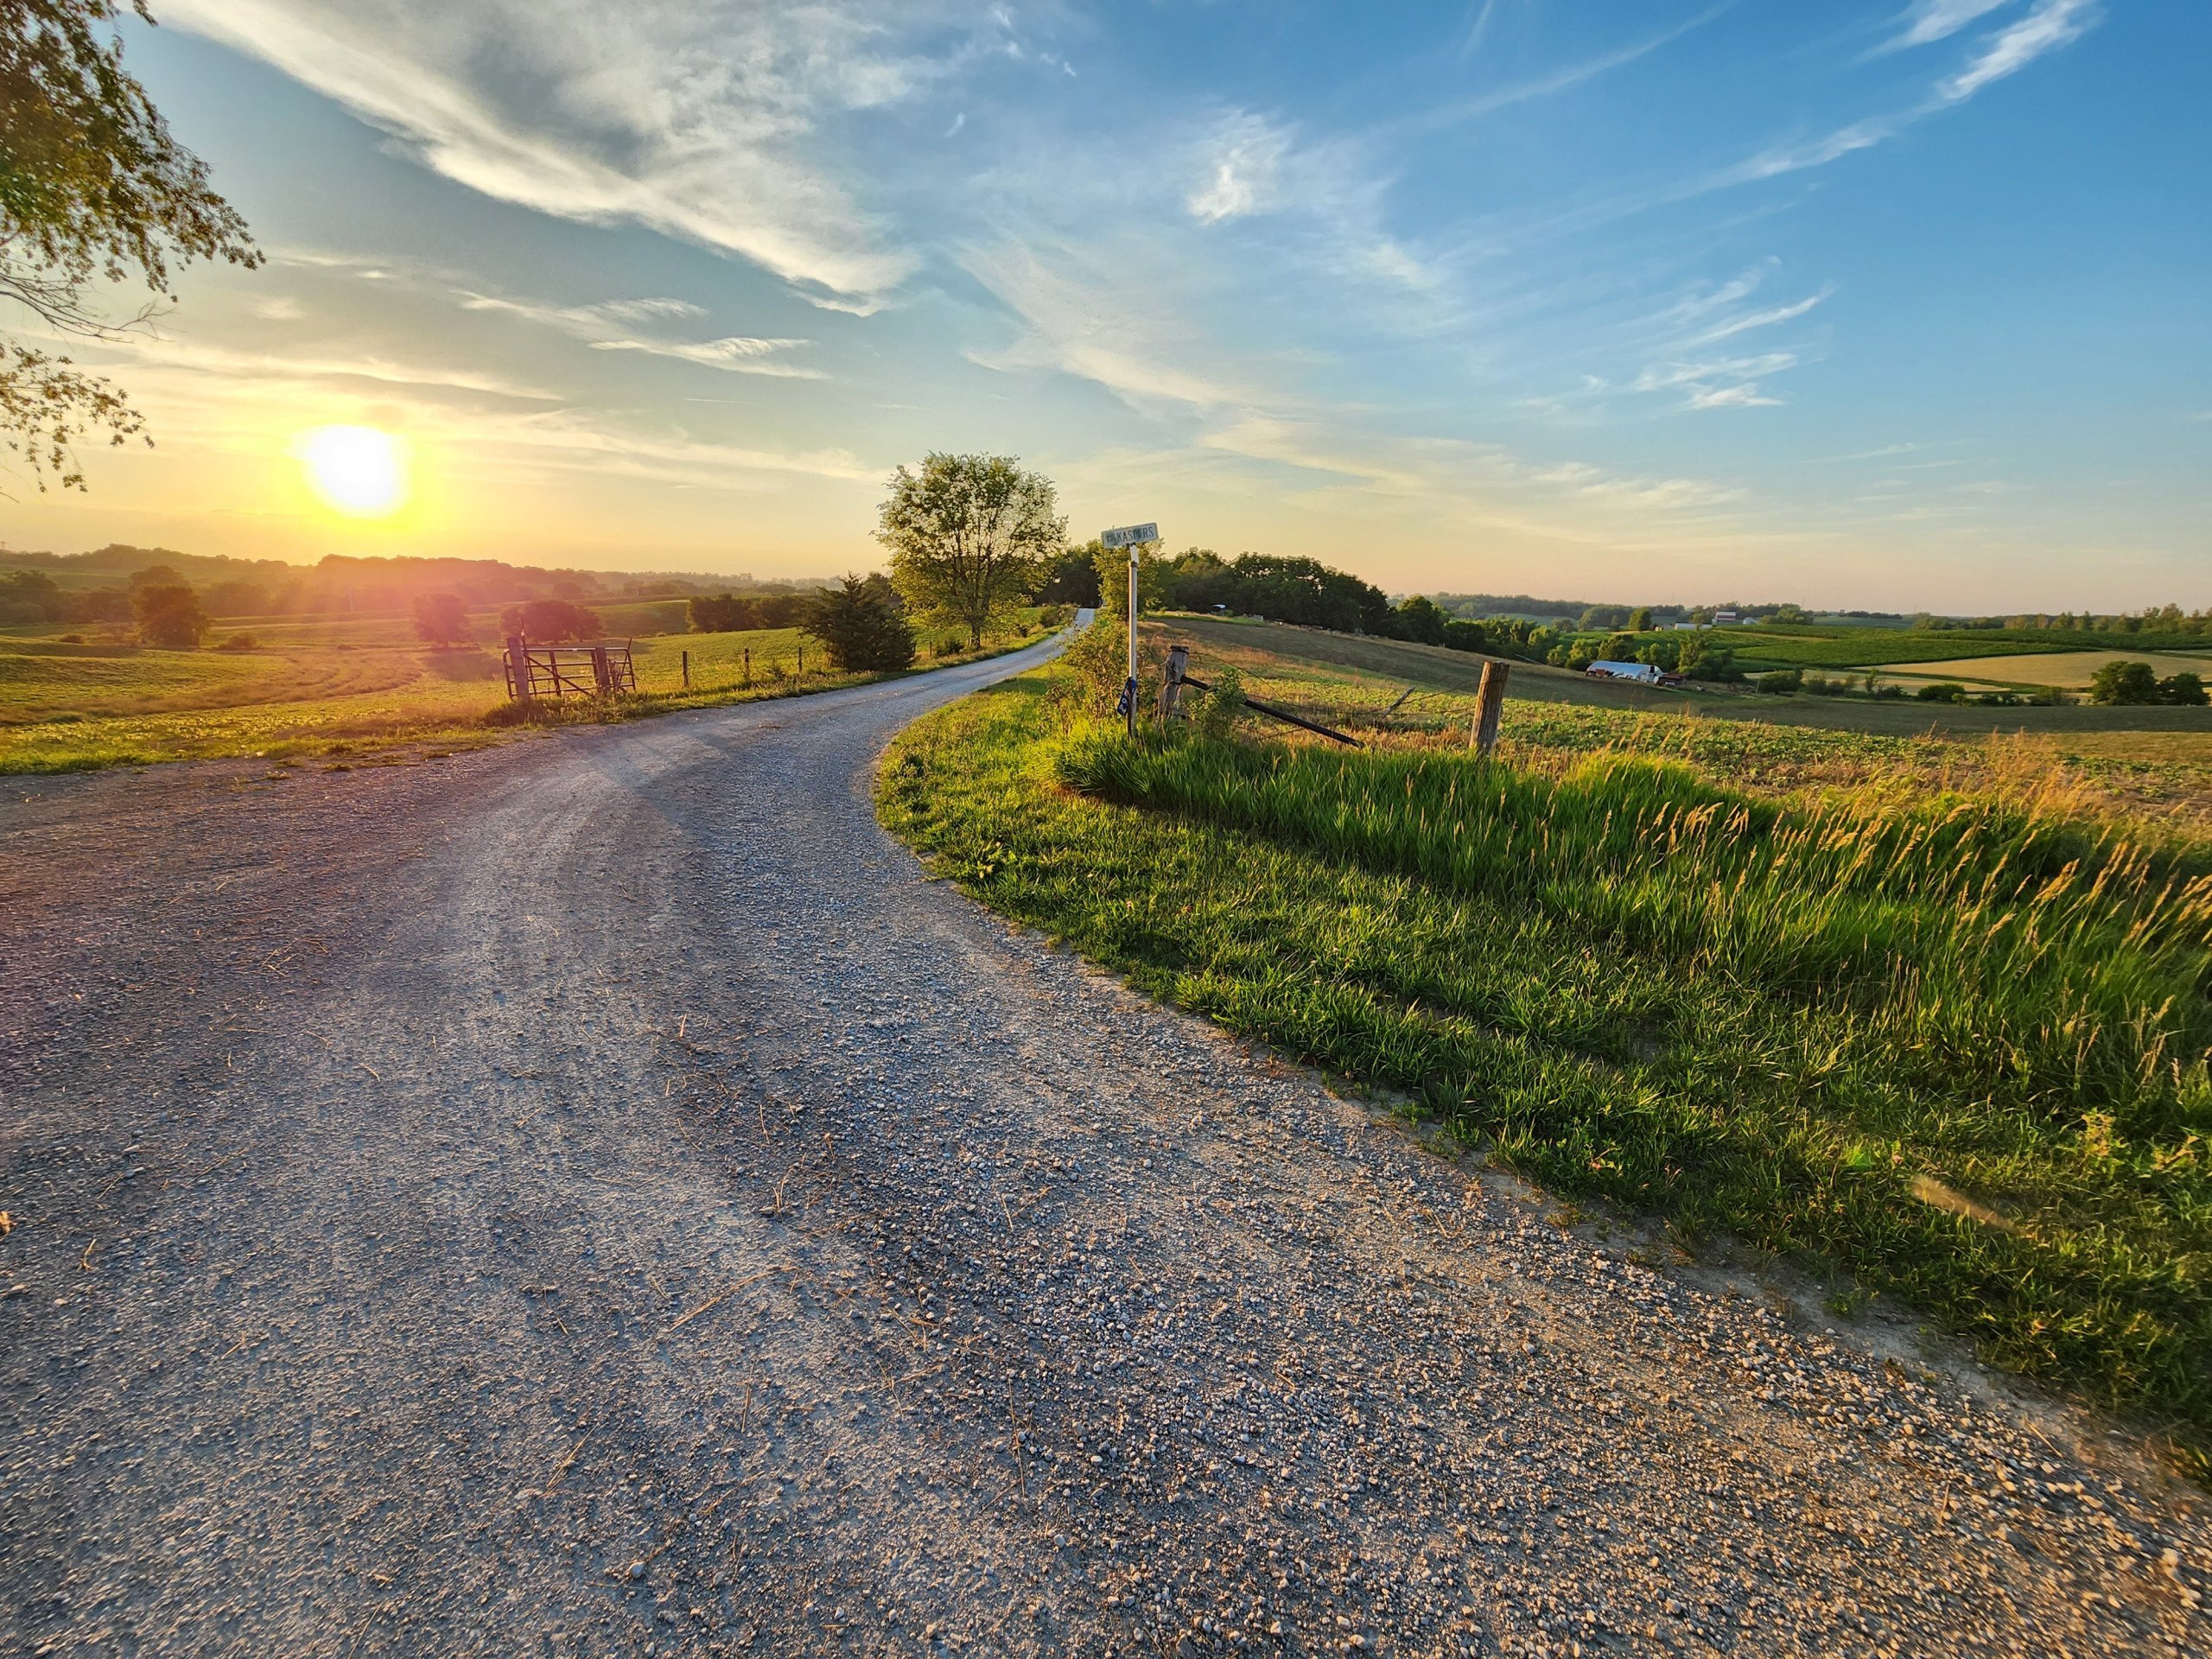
1799	1020
1804	646
72	707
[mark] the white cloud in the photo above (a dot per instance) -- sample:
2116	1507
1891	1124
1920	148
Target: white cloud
2052	24
604	327
1935	20
736	354
208	359
1240	166
1746	396
691	117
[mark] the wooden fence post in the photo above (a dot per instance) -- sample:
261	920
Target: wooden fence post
1490	704
749	664
518	669
687	671
603	674
802	660
1171	689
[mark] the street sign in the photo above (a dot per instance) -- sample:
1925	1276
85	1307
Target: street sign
1131	535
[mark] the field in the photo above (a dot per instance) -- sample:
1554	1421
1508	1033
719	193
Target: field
2069	670
1784	646
1345	678
1925	1015
336	686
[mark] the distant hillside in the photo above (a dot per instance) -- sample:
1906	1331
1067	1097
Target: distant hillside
339	585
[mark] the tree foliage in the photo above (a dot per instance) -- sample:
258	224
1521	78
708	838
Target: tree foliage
550	621
442	620
2137	684
93	188
861	625
969	537
168	616
1070	578
738	612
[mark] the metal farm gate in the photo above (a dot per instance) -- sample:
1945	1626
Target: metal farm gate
557	671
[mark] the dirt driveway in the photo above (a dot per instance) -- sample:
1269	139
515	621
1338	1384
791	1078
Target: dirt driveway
595	1196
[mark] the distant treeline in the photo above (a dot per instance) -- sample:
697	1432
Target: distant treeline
96	587
733	613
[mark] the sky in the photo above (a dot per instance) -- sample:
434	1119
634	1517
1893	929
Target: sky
1891	306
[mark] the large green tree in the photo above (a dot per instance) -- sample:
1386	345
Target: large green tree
93	189
969	537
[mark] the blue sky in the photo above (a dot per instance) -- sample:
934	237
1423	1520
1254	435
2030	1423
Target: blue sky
1896	305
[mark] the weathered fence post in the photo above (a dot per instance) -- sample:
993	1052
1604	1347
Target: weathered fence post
1490	704
603	674
749	664
1171	689
802	660
517	668
687	671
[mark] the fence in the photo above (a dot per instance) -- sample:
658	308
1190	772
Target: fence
556	671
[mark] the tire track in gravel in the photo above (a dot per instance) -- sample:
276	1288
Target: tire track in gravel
592	1196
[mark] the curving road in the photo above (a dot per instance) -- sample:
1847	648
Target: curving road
595	1196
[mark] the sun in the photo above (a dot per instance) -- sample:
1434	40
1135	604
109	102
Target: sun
359	471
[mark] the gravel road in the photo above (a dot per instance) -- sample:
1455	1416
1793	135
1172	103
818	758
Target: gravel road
595	1196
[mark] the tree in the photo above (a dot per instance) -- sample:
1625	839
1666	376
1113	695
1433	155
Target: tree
442	620
1639	620
93	190
860	624
1420	620
1462	635
168	616
1069	579
1155	576
2185	690
2124	683
550	620
967	536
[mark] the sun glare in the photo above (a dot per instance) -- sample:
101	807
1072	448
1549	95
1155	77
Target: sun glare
357	470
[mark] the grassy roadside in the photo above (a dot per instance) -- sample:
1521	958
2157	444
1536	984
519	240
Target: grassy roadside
441	701
1951	1049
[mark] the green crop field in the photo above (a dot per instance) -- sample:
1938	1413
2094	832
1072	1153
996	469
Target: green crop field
1927	1017
342	685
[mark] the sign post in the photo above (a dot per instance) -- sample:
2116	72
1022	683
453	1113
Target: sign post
1135	538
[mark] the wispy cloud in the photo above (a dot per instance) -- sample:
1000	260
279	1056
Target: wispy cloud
204	358
2052	24
1240	166
608	326
687	115
1936	20
1564	79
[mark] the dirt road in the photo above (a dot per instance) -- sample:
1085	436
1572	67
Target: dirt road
595	1196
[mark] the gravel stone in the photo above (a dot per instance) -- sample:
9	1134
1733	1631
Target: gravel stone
594	1195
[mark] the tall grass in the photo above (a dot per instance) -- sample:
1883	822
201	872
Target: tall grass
1955	1047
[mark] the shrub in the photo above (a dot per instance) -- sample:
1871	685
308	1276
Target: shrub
1942	691
1780	684
861	625
1219	708
240	642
